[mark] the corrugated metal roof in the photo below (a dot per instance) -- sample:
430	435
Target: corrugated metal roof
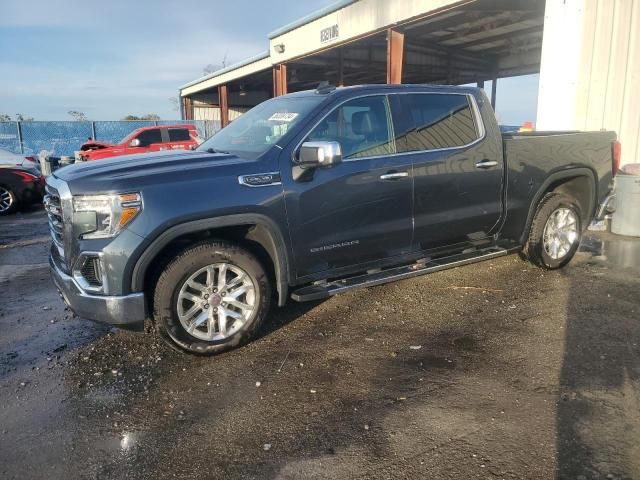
311	17
224	70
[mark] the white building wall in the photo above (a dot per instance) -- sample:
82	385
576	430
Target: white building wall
590	70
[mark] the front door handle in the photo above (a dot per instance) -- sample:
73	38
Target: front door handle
487	164
394	175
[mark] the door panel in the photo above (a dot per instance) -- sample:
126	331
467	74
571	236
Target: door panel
455	200
358	210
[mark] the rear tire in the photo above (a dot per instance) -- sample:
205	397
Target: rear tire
211	298
555	232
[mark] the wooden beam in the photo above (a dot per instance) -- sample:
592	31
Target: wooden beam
187	105
494	89
223	100
395	55
515	34
279	80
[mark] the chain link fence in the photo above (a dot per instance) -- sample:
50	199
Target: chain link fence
64	138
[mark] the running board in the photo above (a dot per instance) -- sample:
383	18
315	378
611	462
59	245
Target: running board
319	291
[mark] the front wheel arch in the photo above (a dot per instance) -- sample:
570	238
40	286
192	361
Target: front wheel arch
255	230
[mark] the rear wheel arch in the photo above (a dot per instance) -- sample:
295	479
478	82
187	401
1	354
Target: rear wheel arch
577	183
256	233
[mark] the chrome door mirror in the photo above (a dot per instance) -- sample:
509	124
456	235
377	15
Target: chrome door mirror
135	142
319	154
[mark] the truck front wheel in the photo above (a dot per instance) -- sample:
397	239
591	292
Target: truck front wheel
211	298
555	232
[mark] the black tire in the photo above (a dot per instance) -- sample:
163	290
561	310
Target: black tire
165	299
13	198
534	249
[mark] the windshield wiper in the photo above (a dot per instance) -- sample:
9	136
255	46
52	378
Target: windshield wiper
213	150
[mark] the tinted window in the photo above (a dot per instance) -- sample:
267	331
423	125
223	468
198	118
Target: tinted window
179	135
435	121
361	126
150	136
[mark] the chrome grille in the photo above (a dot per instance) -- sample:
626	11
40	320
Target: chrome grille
53	207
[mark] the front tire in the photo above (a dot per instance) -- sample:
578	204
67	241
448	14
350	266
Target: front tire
211	298
8	200
555	232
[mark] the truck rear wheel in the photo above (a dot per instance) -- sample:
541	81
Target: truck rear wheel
555	232
211	298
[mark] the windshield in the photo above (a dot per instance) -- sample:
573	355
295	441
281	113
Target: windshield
261	127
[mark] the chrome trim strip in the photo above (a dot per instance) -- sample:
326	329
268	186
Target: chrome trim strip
66	206
391	176
242	179
481	131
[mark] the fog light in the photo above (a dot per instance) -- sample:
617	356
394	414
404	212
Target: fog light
88	273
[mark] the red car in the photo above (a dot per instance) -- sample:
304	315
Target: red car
144	140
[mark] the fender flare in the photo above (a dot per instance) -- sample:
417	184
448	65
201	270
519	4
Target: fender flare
553	178
277	248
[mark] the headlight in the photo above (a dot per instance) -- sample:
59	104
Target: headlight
113	212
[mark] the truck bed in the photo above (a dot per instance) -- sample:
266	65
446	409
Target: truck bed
532	159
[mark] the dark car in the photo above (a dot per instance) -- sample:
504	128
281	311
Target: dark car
311	194
21	184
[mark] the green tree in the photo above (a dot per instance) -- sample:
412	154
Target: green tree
148	116
77	116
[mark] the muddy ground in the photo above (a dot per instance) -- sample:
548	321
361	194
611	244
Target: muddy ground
495	370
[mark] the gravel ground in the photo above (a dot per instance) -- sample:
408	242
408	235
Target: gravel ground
495	370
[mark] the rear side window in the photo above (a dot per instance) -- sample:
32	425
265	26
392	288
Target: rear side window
150	136
361	126
179	135
435	121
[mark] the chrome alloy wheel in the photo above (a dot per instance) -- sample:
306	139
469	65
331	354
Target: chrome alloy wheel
6	199
216	301
560	233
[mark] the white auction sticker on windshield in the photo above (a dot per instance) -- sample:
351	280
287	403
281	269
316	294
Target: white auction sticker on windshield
282	117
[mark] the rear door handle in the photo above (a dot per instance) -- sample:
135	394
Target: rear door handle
394	175
487	164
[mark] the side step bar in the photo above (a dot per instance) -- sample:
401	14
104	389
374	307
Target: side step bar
321	291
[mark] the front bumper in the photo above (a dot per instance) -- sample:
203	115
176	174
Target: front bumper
128	311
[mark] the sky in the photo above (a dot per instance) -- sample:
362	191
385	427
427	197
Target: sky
112	58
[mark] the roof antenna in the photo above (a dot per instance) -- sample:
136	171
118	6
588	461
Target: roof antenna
325	87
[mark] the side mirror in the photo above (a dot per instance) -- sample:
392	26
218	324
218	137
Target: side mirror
319	154
135	142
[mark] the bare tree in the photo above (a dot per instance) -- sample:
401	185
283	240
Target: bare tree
148	116
77	116
175	103
210	68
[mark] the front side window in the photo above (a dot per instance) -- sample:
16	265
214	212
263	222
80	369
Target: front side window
361	126
436	121
253	133
149	137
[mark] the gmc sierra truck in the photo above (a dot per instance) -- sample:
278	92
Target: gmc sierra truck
311	194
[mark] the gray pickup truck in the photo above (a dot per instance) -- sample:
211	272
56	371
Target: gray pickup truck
311	194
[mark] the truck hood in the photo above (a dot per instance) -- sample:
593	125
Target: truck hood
95	145
129	171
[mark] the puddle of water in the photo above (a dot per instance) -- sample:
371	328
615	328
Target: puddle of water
613	250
